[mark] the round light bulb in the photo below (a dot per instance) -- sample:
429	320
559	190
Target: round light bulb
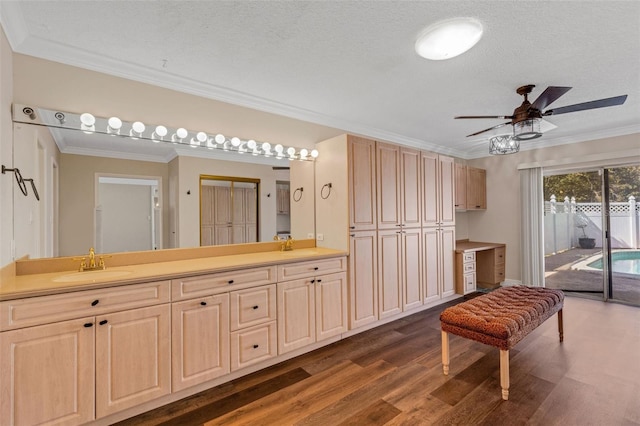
161	131
182	133
314	153
114	123
303	153
201	136
279	148
138	127
87	119
251	144
266	146
291	151
220	138
235	141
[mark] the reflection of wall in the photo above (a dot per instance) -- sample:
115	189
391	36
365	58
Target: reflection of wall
77	196
303	211
6	150
189	171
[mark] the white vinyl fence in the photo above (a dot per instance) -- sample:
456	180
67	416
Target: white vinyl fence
567	221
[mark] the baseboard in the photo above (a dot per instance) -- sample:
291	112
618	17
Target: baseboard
509	282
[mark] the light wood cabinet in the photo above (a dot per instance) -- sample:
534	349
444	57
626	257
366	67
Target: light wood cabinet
227	216
411	240
461	186
252	306
253	344
389	273
363	278
220	282
199	340
476	188
133	358
47	374
491	267
410	188
465	272
388	183
438	181
438	263
362	184
311	309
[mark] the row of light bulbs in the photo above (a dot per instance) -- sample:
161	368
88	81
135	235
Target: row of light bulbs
199	139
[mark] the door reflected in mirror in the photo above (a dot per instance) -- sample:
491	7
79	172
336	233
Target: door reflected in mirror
228	210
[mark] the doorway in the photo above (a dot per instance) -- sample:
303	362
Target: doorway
591	233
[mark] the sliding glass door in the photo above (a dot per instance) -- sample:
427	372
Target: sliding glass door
591	233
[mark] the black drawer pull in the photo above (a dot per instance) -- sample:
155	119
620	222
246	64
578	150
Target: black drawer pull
319	281
315	269
477	207
203	303
313	281
230	281
89	324
255	346
353	235
255	307
103	322
95	302
352	227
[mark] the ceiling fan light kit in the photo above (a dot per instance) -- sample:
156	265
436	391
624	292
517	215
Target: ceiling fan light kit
448	39
527	129
503	144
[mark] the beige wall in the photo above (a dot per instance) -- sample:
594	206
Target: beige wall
501	221
303	211
6	150
77	196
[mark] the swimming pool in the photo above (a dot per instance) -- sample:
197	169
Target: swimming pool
622	261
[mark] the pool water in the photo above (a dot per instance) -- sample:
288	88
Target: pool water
626	262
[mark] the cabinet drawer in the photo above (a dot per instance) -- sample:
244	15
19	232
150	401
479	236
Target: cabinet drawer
499	253
469	282
311	268
47	309
499	273
469	256
468	267
253	306
252	345
204	285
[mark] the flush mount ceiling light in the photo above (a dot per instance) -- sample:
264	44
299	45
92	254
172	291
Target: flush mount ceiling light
448	39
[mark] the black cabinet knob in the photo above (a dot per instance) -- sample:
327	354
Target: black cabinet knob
255	346
255	307
89	324
315	269
319	281
230	281
95	302
103	322
203	303
313	281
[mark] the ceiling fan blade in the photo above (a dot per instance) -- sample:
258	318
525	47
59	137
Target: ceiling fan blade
484	116
490	128
600	103
549	96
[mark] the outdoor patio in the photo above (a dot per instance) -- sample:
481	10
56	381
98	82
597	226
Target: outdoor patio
559	275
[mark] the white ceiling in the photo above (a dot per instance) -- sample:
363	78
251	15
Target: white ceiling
351	64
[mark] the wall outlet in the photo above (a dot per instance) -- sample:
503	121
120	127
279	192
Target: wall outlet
310	235
320	237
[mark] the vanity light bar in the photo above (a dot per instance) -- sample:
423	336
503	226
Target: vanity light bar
114	126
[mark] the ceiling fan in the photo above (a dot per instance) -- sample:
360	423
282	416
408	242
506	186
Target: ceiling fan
527	117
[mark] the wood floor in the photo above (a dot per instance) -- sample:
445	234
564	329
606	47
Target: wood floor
392	375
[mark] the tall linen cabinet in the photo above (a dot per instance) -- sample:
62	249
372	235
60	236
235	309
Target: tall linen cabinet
398	207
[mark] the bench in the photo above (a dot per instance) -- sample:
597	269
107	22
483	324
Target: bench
501	318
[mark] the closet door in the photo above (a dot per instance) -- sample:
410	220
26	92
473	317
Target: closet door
362	184
388	182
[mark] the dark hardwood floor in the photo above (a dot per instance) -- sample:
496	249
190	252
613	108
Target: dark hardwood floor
392	375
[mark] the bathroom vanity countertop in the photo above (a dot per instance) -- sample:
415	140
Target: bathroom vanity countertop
62	282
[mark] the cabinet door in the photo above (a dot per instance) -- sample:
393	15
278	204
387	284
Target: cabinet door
410	188
133	358
461	187
206	235
389	273
447	191
476	188
47	374
431	264
206	205
296	314
411	268
362	184
331	305
447	253
222	205
388	182
363	282
430	191
200	340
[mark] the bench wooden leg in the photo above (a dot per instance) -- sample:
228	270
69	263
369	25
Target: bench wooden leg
445	353
560	328
504	373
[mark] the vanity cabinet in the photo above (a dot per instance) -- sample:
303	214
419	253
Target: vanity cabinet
81	348
312	308
199	340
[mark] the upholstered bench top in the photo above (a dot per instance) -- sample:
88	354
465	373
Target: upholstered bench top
503	317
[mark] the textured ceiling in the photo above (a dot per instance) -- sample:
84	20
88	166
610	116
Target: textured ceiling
351	65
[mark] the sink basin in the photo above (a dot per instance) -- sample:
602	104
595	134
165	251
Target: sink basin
90	276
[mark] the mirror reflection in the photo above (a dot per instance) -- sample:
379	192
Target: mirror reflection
78	210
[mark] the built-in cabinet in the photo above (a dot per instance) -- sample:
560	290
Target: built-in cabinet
391	270
471	188
228	215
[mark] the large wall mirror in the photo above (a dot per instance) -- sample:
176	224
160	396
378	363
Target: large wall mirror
77	171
